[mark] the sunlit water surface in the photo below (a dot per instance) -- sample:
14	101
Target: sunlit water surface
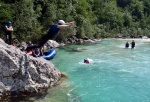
116	74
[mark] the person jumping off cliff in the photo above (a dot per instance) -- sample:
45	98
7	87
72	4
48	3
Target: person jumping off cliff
52	32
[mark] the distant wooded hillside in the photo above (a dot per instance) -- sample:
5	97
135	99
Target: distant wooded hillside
93	18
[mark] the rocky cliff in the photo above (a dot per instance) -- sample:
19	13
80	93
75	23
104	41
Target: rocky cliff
21	73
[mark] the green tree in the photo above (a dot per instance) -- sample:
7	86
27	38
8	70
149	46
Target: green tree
127	19
5	15
26	23
111	15
137	10
93	18
146	4
123	3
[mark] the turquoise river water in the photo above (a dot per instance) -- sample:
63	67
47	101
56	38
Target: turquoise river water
116	74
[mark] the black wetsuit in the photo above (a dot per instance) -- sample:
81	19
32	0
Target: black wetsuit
127	45
133	44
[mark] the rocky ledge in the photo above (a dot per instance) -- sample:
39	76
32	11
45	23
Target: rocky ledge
22	74
85	40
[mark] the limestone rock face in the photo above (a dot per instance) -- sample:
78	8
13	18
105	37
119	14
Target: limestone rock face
20	72
51	44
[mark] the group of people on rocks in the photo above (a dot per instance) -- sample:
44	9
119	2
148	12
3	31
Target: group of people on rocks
37	49
132	44
36	52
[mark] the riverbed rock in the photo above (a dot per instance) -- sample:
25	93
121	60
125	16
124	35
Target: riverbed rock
80	41
21	73
51	44
144	37
84	40
91	41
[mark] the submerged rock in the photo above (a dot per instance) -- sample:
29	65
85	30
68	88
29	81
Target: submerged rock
78	49
21	73
92	41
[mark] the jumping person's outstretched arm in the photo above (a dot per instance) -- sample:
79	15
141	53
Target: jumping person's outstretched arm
69	24
52	32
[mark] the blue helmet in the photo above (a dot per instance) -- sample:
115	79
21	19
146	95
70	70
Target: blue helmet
9	22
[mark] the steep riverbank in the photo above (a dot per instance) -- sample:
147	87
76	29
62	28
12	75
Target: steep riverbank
21	74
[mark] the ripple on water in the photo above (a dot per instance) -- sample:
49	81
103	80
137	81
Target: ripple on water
117	74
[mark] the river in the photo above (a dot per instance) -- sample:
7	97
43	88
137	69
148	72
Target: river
116	74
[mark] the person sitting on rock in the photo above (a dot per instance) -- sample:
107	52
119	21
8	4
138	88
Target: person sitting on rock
36	52
29	51
41	51
30	43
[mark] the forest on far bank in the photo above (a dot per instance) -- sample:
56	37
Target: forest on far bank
93	18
